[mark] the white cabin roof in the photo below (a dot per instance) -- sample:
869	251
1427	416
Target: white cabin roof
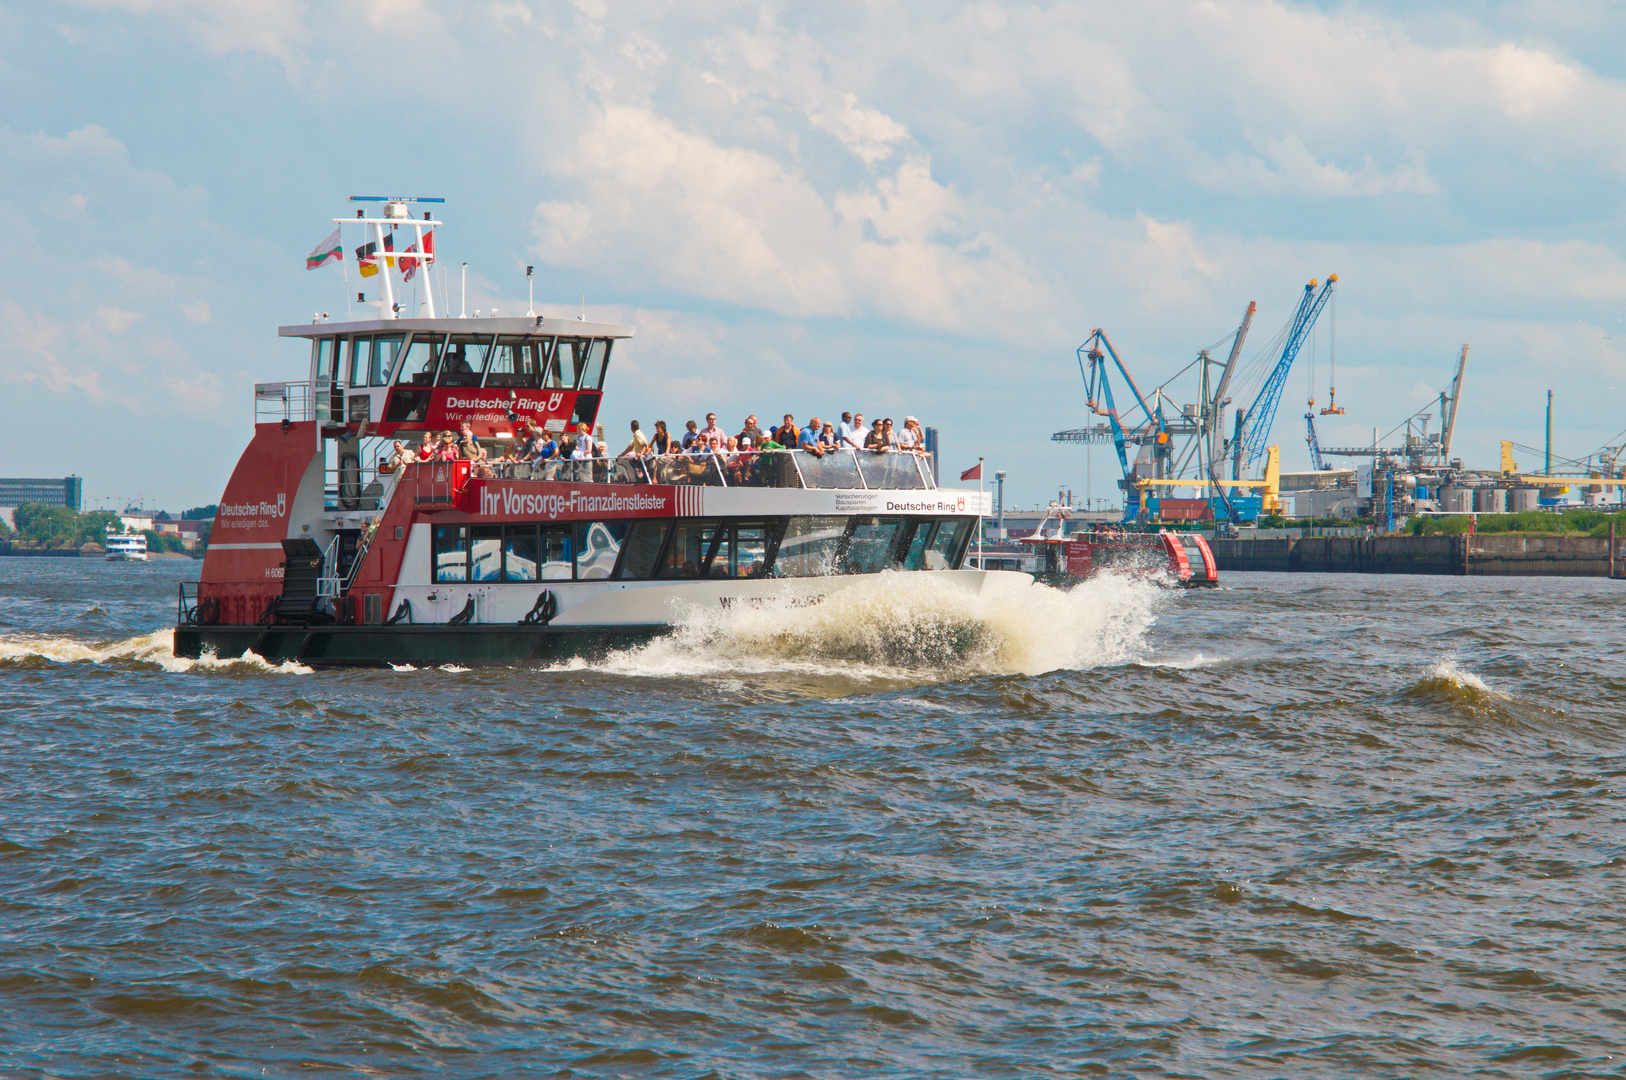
507	324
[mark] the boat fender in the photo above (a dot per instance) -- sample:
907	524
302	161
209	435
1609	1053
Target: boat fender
462	617
350	480
543	611
404	611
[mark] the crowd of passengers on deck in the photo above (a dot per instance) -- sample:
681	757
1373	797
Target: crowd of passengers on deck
700	455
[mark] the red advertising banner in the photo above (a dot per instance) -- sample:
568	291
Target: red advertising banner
507	500
451	405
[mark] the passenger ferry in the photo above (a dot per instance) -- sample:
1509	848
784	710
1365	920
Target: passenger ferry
322	554
126	546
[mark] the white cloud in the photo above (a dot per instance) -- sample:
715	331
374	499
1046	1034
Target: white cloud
866	132
737	226
273	27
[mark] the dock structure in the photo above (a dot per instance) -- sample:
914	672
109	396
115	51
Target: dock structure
1474	556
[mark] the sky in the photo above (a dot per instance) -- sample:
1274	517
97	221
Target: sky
896	208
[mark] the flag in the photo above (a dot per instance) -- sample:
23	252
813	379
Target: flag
329	250
973	473
410	266
365	253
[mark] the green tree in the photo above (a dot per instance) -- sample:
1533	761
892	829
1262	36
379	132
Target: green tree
200	513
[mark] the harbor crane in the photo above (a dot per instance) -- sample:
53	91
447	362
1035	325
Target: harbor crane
1253	427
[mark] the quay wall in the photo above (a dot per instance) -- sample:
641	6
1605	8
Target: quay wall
1494	556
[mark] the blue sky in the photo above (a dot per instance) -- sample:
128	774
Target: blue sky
895	207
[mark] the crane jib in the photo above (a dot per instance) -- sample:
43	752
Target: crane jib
1262	414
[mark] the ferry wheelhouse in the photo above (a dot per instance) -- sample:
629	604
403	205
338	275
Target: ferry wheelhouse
126	546
320	553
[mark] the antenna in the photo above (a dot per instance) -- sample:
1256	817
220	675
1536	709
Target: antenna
530	282
463	303
583	316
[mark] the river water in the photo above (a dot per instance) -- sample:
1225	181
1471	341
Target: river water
1304	825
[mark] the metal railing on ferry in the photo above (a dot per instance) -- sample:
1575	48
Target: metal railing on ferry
291	401
838	469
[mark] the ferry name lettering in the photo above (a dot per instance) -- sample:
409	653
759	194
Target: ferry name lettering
938	506
256	509
525	401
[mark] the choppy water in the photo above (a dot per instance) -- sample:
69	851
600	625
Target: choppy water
1313	825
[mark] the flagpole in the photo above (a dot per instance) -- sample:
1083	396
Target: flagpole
982	563
345	266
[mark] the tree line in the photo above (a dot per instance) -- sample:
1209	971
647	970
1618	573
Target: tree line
59	527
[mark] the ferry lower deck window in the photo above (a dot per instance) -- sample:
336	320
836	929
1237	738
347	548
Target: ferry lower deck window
485	553
919	544
948	544
598	547
555	547
870	548
642	548
687	551
810	546
740	551
519	553
449	552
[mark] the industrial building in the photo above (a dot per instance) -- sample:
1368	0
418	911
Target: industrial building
67	491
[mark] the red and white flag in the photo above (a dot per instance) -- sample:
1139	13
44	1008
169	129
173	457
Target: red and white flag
409	266
973	473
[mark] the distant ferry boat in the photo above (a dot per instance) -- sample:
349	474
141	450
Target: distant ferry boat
125	547
320	555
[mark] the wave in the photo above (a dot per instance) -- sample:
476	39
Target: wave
898	625
1445	679
156	649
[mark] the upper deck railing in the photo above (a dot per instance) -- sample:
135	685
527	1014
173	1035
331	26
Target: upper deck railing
859	470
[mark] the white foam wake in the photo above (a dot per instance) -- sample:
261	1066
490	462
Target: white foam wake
898	624
154	648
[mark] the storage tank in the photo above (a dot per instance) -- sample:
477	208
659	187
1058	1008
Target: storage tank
1521	499
1490	500
1456	500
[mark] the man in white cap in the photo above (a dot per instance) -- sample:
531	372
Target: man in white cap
911	438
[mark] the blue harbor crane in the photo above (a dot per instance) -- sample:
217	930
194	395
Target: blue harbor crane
1158	440
1253	427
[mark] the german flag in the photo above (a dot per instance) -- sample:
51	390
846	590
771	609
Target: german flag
365	253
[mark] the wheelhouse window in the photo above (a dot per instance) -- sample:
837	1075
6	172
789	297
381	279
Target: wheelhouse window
356	366
464	361
517	363
381	358
449	552
598	547
597	359
565	371
422	356
323	353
